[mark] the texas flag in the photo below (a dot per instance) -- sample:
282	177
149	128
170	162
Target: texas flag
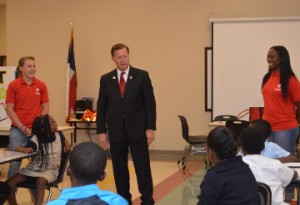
72	79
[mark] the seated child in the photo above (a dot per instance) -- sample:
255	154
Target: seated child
266	170
272	150
45	166
87	162
225	182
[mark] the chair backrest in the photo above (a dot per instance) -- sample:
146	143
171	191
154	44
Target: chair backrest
225	117
255	113
4	191
264	193
62	168
184	126
237	126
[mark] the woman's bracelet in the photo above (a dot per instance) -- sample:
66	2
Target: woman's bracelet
24	130
21	127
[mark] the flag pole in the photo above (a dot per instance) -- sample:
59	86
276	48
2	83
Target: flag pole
71	30
72	81
68	77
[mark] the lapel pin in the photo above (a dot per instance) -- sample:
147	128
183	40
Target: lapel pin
130	77
114	77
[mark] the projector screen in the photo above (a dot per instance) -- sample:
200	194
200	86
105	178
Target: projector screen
239	59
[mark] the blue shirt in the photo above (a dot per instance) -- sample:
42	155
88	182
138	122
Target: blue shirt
274	151
87	191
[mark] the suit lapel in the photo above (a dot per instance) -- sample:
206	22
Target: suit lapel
130	80
115	82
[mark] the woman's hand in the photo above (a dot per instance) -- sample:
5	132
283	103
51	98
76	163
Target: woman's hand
28	132
25	130
67	146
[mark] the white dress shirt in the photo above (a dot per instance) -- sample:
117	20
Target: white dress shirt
125	74
271	172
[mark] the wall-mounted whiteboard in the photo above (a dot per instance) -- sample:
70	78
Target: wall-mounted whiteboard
240	48
7	75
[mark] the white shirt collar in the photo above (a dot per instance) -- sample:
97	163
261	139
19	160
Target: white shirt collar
125	74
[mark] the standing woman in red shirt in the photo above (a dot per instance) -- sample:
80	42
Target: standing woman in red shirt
281	93
26	98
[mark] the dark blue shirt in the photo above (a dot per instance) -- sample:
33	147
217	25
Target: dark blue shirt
230	182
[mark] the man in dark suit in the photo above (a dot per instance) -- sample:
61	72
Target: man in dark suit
126	117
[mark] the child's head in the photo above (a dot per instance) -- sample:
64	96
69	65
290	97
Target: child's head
252	141
263	125
43	126
221	143
53	124
87	163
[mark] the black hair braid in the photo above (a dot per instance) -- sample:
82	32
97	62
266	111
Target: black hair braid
41	128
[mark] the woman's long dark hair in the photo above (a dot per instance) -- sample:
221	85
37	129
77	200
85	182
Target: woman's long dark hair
42	129
285	69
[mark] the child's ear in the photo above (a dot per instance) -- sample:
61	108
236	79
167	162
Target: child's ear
211	156
102	176
69	171
208	153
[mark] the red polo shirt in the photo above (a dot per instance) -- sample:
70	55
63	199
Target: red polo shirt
27	99
280	112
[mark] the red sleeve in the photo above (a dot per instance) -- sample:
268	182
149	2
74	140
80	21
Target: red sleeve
10	94
294	89
44	98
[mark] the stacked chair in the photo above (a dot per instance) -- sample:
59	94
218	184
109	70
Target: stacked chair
237	126
195	144
225	118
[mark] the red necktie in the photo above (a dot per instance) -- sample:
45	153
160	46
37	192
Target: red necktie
122	84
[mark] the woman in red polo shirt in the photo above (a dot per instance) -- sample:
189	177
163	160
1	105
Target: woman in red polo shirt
281	93
26	98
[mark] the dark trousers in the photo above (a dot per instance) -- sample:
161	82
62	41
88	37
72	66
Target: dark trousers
140	155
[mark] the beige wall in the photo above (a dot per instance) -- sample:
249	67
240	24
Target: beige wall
166	37
2	29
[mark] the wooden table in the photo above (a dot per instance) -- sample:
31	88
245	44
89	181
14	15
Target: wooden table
215	124
8	156
4	131
87	126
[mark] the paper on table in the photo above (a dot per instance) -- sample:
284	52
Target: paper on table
292	164
295	166
3	114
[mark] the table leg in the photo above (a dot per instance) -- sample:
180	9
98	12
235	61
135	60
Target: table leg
75	133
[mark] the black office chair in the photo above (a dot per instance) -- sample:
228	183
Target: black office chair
225	118
265	194
196	144
237	126
63	165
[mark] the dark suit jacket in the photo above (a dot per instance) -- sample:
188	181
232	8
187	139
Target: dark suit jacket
134	113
